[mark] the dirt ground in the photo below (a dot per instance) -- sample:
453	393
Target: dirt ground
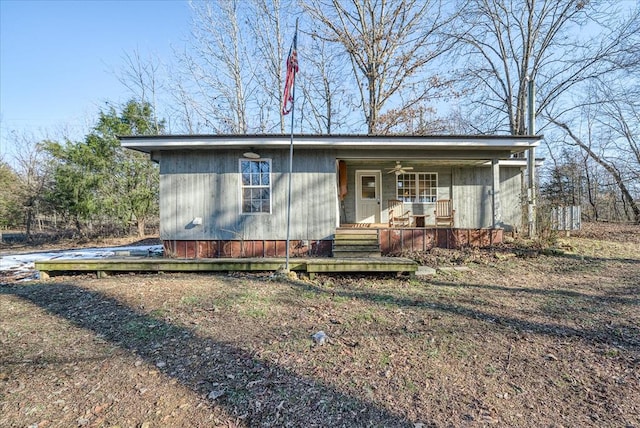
512	337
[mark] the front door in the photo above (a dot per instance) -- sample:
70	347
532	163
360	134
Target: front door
368	196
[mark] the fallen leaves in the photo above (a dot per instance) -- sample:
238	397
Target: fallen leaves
515	342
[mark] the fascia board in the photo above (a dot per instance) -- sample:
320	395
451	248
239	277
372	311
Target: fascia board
356	143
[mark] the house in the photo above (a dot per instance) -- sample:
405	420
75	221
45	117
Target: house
227	195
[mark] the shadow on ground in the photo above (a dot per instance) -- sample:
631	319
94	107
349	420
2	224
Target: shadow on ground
616	334
261	393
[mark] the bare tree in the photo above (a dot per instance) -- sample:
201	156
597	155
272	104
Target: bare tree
602	119
219	66
33	170
390	43
325	102
559	44
619	118
600	155
266	24
183	108
141	77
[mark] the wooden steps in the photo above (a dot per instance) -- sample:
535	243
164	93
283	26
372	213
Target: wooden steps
352	242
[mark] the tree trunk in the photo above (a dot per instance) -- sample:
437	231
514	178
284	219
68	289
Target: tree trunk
29	220
626	195
78	226
590	191
140	223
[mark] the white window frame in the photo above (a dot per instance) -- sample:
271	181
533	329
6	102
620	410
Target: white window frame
416	179
244	186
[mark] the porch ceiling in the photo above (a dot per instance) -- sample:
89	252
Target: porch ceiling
437	157
427	162
413	161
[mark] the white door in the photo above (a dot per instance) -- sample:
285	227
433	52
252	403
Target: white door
368	196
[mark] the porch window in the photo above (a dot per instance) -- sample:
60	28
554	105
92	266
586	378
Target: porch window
255	185
421	187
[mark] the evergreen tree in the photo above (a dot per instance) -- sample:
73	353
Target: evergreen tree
96	178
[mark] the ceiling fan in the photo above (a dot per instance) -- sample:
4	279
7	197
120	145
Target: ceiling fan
399	169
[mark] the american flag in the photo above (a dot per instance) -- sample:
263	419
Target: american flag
292	69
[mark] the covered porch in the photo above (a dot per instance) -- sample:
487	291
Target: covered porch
412	193
461	194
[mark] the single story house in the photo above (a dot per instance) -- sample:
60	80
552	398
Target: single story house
228	195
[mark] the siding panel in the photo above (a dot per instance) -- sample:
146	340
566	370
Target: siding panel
472	197
206	184
512	198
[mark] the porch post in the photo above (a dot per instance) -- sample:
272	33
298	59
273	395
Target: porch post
495	195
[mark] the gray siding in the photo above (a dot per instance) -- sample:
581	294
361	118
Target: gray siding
206	184
472	197
512	198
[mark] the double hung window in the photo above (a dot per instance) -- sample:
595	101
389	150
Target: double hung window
255	185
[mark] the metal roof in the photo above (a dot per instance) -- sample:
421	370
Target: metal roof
495	143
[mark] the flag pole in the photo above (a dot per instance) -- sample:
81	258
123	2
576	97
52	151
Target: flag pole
293	98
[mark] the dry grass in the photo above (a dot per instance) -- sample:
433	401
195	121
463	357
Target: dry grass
522	339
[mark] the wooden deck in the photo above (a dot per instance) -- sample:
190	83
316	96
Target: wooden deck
311	266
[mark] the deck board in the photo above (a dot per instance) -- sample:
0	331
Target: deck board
146	264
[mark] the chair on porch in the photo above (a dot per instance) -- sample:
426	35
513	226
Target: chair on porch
398	217
444	213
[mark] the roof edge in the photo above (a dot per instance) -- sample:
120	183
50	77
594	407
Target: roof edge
316	136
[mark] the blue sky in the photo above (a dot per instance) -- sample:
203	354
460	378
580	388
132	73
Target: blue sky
58	59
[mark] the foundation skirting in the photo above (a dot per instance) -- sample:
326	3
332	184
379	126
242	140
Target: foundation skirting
392	241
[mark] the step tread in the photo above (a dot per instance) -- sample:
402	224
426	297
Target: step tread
361	242
358	236
348	254
356	248
356	232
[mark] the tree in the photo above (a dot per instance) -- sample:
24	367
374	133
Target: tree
183	108
33	172
266	22
602	157
133	181
390	44
231	72
219	66
140	76
507	42
11	213
565	184
75	181
325	103
602	119
98	177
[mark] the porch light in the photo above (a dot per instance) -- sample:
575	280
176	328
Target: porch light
251	154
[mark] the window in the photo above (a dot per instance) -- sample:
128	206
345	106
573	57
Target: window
368	187
420	187
256	185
